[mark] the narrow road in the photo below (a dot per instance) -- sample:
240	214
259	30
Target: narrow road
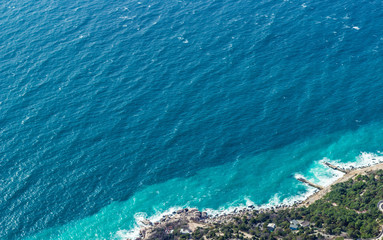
380	207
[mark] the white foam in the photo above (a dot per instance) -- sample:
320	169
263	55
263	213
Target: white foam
135	231
228	210
328	180
365	159
128	234
326	176
323	176
298	175
249	202
26	119
157	217
139	218
276	201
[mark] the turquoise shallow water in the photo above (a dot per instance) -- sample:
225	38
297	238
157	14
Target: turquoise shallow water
240	183
113	109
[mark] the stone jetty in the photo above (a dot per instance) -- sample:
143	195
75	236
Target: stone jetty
304	180
336	167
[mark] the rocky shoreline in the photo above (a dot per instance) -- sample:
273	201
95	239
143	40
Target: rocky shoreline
188	220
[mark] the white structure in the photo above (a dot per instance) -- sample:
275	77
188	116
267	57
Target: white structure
271	226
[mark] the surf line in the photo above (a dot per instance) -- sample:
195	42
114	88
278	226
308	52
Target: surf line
317	186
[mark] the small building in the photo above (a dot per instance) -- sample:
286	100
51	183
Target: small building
294	225
305	224
271	227
185	231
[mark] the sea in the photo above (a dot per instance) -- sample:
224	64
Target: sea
115	111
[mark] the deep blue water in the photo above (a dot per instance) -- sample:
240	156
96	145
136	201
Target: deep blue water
110	110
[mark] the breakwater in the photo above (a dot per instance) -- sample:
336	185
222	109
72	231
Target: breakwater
336	168
304	180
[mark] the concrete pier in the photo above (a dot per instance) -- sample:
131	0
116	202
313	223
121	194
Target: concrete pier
335	167
301	179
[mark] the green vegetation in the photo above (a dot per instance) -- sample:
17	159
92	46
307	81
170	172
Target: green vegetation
348	211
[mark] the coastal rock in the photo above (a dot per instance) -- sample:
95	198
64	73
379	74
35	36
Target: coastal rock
196	216
147	222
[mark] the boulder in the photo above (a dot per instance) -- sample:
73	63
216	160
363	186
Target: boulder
147	222
196	216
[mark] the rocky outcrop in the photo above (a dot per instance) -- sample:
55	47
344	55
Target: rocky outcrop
187	219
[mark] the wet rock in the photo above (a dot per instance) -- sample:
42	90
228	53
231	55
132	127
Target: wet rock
197	215
147	222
